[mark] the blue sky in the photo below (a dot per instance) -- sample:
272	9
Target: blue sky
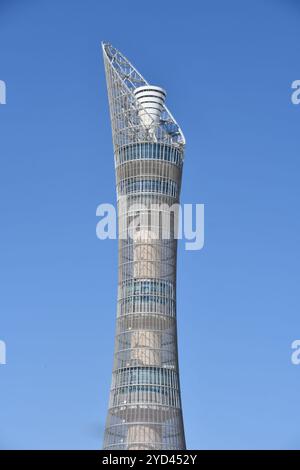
228	68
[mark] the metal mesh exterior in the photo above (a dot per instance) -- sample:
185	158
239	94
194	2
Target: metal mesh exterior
145	405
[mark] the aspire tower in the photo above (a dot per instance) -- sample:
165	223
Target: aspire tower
145	405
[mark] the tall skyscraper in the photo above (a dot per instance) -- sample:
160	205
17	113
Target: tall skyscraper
145	405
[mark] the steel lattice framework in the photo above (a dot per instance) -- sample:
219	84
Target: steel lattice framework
145	406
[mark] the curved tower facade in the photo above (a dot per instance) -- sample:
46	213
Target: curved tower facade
145	406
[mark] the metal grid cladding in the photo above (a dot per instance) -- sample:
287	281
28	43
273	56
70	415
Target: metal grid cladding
145	406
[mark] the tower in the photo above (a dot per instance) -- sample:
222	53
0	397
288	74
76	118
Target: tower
145	405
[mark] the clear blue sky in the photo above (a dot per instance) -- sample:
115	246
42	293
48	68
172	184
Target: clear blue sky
228	68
